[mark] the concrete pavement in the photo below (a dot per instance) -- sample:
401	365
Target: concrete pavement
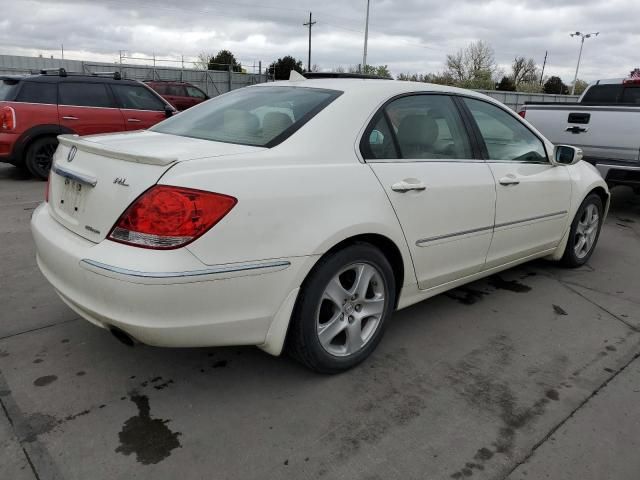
528	374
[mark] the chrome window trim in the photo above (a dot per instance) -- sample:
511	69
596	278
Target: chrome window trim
78	177
191	273
531	219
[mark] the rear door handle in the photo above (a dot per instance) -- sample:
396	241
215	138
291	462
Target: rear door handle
509	180
405	186
70	118
133	120
576	129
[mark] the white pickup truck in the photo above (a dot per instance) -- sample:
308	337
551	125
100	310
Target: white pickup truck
605	124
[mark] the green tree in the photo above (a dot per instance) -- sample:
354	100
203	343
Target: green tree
281	69
378	71
506	85
222	60
556	85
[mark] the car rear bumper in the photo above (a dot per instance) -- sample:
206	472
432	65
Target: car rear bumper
231	304
7	144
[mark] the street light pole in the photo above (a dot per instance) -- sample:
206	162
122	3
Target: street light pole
366	39
582	36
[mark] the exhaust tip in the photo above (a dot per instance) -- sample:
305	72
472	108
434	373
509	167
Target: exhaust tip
122	336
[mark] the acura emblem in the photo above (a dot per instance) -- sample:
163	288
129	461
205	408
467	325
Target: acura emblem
72	153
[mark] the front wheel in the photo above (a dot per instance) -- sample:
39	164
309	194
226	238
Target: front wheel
585	230
340	315
40	156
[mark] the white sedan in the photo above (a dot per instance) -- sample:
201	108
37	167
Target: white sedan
301	214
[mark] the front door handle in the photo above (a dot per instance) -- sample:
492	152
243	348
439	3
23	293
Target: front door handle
69	118
509	180
576	129
133	120
405	186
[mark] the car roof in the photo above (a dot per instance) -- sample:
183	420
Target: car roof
40	78
377	87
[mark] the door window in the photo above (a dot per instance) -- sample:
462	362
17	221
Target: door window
176	91
195	92
631	95
38	92
424	126
137	97
84	94
505	137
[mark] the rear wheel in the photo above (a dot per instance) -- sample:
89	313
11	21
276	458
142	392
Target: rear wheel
340	314
584	233
40	156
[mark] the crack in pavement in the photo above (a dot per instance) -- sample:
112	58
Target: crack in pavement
40	328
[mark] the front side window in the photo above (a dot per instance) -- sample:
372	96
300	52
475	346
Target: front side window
505	137
84	94
258	116
137	97
175	90
424	127
38	92
195	92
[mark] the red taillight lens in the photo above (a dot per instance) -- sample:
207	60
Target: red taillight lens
167	217
7	118
522	113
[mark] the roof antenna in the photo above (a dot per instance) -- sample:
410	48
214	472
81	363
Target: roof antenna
296	77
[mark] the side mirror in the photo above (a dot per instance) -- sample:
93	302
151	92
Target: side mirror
168	111
566	155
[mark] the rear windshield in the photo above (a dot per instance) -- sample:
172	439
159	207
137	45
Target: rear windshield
605	93
258	116
7	88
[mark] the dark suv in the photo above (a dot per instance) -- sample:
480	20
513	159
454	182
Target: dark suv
35	109
181	95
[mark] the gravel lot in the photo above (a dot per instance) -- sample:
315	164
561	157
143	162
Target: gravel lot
527	375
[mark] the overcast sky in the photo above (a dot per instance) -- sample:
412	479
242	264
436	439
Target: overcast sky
408	35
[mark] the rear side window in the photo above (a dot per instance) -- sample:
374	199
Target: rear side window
195	92
84	94
424	127
608	93
258	116
38	92
175	90
631	95
158	87
137	97
8	87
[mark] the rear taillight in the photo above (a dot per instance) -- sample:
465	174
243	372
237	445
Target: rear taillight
522	113
166	217
7	118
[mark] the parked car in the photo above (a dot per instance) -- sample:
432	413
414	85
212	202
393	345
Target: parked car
35	109
181	95
605	124
303	213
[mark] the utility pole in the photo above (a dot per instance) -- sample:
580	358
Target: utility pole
366	39
309	24
62	48
544	64
583	36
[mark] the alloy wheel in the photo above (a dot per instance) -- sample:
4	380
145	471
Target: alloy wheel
350	309
586	231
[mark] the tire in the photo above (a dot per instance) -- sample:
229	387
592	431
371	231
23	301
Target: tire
40	156
329	334
584	233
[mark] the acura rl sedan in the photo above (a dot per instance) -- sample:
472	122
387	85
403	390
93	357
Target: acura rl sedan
300	215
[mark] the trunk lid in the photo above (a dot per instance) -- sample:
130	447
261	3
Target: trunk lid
94	179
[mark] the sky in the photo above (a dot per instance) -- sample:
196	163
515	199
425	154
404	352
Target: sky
410	36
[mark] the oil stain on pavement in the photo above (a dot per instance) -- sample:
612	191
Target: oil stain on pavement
149	438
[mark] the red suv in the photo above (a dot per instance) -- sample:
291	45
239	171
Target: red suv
35	109
181	95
